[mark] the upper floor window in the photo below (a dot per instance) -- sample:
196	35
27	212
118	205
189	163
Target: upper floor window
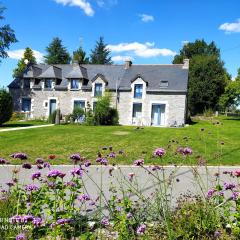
164	84
26	83
48	83
75	84
98	90
138	90
26	104
79	104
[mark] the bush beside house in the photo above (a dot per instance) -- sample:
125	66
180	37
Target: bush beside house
6	106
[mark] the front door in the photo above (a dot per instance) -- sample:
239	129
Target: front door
52	106
158	114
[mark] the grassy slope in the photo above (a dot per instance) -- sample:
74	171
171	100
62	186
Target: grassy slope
15	124
87	140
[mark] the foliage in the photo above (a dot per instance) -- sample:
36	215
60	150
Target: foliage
100	54
57	53
231	96
79	56
17	116
104	114
238	76
27	59
207	75
6	106
7	36
52	117
77	113
89	115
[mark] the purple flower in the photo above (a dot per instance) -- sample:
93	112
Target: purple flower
21	236
39	161
77	171
55	174
21	219
159	152
105	221
87	163
76	157
39	166
102	161
217	234
185	151
112	154
84	197
36	175
129	216
64	221
37	221
46	165
141	229
21	156
229	186
31	187
3	161
138	162
210	193
130	176
104	148
51	184
27	166
121	151
70	184
235	195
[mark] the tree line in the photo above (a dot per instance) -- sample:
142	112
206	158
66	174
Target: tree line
210	85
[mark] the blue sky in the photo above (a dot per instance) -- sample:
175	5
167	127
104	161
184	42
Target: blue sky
148	31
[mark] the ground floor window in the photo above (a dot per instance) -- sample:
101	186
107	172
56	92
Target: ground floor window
79	104
158	114
137	110
26	104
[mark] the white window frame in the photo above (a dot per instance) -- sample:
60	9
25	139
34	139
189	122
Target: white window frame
166	112
78	99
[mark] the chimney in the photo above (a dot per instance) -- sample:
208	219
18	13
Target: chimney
185	63
128	63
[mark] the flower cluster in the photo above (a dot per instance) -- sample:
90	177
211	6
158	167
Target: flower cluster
210	193
22	219
102	161
62	222
27	166
84	197
3	161
21	236
77	171
36	175
31	187
105	221
185	151
229	186
21	156
141	229
159	152
56	173
138	162
76	157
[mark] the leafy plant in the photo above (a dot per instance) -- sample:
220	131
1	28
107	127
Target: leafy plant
6	106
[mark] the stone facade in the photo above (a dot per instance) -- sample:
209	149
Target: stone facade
153	107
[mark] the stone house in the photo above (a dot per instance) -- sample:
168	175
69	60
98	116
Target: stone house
148	95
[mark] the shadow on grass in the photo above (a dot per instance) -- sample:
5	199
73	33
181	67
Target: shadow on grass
16	125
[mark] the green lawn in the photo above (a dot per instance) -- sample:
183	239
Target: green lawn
14	124
88	140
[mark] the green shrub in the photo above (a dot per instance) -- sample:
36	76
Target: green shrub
52	117
6	106
77	113
104	114
89	121
208	112
17	116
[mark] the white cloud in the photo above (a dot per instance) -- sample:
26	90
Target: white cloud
145	50
185	42
18	54
146	18
121	58
231	27
106	3
83	4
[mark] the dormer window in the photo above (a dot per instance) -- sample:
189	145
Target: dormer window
48	83
75	84
164	84
98	90
138	90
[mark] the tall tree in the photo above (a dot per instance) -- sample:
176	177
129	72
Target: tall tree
101	54
28	58
80	56
7	36
238	76
57	53
207	75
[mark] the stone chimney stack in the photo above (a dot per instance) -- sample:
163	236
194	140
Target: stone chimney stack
185	63
128	63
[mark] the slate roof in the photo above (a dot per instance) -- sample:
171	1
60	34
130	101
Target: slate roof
117	75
